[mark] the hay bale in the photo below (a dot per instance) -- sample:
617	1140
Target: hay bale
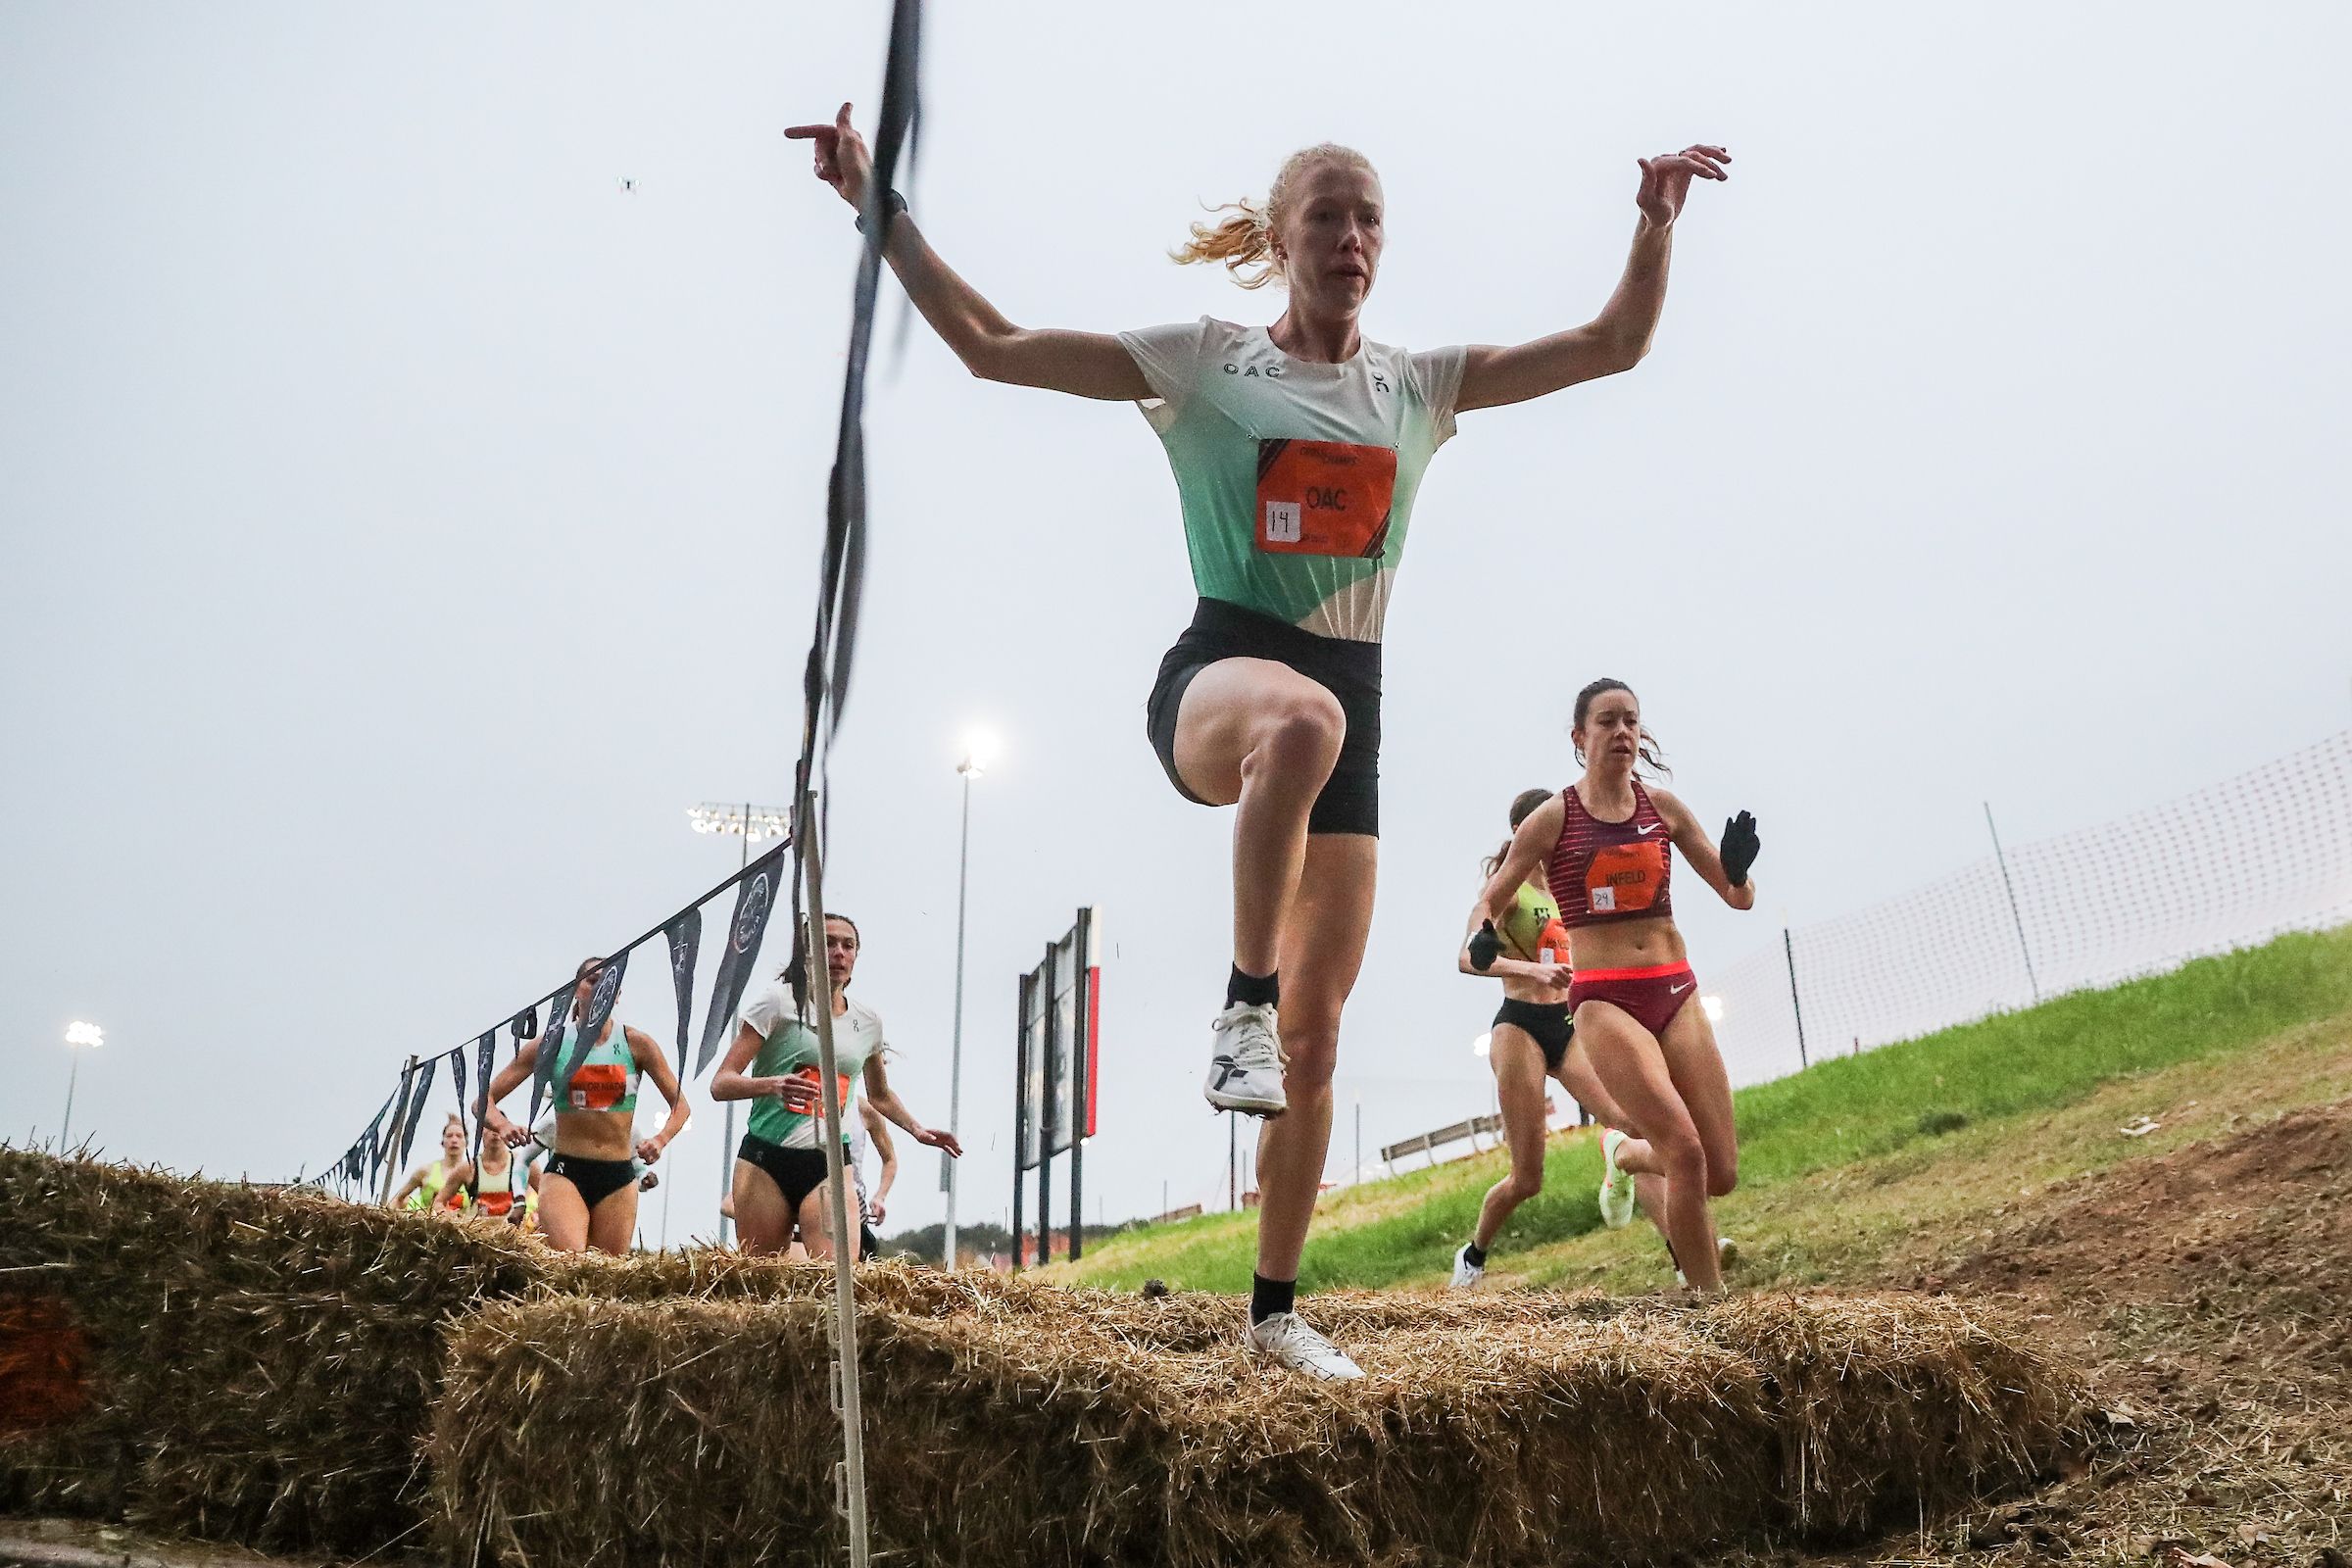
1888	1405
259	1365
1035	1424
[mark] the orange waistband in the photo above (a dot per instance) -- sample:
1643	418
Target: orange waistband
1655	971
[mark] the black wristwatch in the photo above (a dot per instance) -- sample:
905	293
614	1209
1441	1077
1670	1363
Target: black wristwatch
892	201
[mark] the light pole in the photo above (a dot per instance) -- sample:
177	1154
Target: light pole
77	1035
975	762
752	824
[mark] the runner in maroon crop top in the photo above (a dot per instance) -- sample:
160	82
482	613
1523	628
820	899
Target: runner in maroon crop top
1603	841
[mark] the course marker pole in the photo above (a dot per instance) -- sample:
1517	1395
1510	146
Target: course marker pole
843	1321
2002	861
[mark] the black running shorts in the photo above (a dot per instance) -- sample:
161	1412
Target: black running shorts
597	1179
1350	670
1548	1023
797	1172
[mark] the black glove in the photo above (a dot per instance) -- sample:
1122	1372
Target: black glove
1485	948
1740	847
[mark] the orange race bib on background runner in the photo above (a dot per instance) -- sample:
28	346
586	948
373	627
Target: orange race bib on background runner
1624	878
816	1086
1324	498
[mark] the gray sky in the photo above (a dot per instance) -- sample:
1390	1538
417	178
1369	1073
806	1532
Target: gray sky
362	439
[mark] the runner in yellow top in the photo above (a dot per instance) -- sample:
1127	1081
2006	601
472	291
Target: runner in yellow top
1298	450
428	1183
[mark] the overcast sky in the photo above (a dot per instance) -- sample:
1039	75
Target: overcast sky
414	425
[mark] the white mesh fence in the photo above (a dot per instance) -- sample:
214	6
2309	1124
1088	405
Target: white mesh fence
2228	866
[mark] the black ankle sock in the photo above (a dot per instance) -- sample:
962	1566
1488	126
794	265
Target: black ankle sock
1269	1297
1256	991
1475	1255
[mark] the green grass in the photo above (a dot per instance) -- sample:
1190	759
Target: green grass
1905	1097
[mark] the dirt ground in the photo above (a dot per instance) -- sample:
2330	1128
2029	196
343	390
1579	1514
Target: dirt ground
2210	1290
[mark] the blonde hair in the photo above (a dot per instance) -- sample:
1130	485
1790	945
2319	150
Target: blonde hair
1246	238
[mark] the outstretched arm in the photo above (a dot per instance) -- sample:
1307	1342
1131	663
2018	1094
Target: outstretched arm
1618	336
1699	850
885	1100
1087	365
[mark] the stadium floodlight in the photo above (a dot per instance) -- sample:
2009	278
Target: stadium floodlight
752	824
1712	1007
77	1035
1481	1045
979	751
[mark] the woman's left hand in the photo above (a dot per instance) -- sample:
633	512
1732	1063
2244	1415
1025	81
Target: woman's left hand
1666	181
936	1138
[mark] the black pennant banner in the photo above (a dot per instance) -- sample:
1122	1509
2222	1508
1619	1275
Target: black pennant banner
754	898
421	1087
551	1041
485	1051
685	934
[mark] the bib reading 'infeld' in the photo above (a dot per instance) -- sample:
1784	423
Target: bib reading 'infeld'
1611	871
1296	479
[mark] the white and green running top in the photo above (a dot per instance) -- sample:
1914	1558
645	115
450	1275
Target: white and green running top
1296	479
789	1049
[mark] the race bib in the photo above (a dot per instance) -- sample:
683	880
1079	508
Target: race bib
816	1081
1624	878
599	1086
1552	945
1324	498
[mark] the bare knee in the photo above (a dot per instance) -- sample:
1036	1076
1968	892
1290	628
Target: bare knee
1300	733
1310	1054
1686	1160
1520	1185
1723	1175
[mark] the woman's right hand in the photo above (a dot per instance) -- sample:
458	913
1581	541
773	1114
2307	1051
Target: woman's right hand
1554	976
842	159
798	1093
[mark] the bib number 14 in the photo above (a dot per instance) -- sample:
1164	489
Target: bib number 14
1324	498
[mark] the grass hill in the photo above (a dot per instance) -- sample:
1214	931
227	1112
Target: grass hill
1839	1160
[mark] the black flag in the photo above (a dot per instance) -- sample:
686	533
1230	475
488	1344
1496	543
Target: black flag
484	1052
592	1026
755	897
417	1091
551	1041
685	934
456	1074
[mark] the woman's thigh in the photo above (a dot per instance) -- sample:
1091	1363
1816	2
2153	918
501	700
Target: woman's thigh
1631	1066
613	1223
817	1224
762	1219
562	1214
1223	711
1518	1064
1699	1077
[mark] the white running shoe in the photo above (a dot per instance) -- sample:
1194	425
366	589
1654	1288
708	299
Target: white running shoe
1285	1337
1465	1272
1616	1182
1246	1063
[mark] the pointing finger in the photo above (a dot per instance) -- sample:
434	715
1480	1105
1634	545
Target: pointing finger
810	132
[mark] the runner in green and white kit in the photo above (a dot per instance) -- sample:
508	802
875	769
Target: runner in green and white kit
1298	449
773	1062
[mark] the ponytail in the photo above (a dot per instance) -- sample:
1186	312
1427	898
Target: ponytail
1246	238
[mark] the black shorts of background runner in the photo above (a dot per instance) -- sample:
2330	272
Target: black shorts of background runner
797	1172
597	1179
1350	670
1548	1023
